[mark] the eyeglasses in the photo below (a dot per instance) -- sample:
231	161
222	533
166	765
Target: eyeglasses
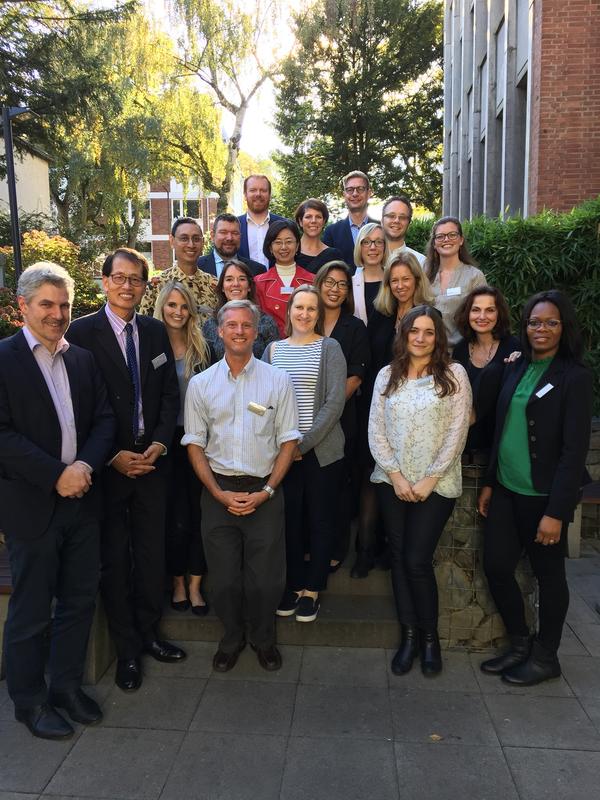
550	324
355	189
452	236
133	280
397	217
373	243
284	243
330	283
187	239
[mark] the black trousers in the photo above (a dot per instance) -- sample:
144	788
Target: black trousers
511	527
63	563
246	559
185	552
133	557
311	497
414	529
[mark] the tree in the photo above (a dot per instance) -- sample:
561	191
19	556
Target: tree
362	89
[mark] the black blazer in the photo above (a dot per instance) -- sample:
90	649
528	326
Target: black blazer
30	435
244	249
207	264
160	390
351	334
559	425
339	235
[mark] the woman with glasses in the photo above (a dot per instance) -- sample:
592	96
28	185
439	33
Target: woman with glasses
370	252
334	284
176	307
536	470
275	286
451	271
236	282
311	217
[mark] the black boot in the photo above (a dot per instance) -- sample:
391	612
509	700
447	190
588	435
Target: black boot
542	665
409	645
431	656
363	564
517	653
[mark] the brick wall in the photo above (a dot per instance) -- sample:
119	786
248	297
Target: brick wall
564	163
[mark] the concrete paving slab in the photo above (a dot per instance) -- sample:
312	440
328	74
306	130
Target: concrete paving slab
17	796
160	704
446	717
198	663
583	674
117	763
591	706
339	769
456	676
361	713
589	635
544	774
570	643
587	586
248	668
428	771
3	693
28	763
553	722
344	666
227	767
580	611
490	684
245	707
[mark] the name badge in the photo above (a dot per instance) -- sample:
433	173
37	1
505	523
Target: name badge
454	291
544	390
256	408
159	361
286	290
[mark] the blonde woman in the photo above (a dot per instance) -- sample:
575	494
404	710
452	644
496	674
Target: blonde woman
370	254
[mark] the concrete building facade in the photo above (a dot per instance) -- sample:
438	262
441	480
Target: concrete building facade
521	105
32	181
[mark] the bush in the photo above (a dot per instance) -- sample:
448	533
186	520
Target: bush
28	221
10	316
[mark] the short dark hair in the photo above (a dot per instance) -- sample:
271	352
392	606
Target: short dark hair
316	205
348	305
571	341
262	177
225	217
461	318
398	198
185	221
235	262
275	229
131	255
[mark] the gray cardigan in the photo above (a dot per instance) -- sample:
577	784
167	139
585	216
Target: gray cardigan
325	435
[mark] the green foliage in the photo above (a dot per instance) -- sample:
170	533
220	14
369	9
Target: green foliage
27	222
10	316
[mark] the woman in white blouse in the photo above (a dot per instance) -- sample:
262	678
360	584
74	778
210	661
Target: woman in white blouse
417	430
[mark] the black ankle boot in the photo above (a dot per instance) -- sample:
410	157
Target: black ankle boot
409	645
431	656
542	665
517	653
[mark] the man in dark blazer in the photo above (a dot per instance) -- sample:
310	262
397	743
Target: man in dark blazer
226	237
254	224
342	234
56	430
135	358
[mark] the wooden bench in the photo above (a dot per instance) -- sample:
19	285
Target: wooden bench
590	495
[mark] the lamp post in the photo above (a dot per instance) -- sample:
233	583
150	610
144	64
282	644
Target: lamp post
8	113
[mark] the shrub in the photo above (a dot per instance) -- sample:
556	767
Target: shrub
10	316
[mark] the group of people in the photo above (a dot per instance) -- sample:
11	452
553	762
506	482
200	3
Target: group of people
297	378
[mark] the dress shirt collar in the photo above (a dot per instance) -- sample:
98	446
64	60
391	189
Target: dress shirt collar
354	225
33	342
117	323
219	261
266	221
248	368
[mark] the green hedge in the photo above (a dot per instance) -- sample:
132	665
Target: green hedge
548	251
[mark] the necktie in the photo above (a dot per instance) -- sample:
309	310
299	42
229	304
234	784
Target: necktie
132	366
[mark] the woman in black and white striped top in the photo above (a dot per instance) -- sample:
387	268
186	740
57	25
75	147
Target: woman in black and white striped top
317	368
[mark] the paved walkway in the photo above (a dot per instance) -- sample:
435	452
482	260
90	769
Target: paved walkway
333	724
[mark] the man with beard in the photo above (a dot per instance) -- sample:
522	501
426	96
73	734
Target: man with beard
226	237
254	224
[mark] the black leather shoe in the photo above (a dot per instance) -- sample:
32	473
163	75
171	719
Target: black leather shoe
78	706
540	666
180	605
431	655
409	647
518	652
363	564
201	611
128	676
223	662
164	651
44	722
269	657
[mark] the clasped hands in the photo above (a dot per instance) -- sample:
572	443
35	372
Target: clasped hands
134	465
74	481
241	503
412	493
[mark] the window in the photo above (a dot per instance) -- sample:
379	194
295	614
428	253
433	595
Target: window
500	65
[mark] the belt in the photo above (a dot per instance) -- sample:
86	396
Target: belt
240	481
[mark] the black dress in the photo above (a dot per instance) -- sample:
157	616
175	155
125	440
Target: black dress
314	263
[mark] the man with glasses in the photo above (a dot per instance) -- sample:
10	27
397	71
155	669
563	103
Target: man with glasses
357	192
187	242
396	216
135	358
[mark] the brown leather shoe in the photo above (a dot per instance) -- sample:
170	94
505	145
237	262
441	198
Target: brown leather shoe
269	657
223	662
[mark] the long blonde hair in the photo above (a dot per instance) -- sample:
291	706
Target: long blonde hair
197	351
385	302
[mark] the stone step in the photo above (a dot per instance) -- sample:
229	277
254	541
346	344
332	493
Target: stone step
378	582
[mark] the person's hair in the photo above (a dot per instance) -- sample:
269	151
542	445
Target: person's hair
235	262
275	229
129	254
197	351
185	221
571	342
224	217
362	234
398	198
305	287
348	305
461	318
385	302
262	177
439	365
233	305
316	205
36	275
432	263
356	173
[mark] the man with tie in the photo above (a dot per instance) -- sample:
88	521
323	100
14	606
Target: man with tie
343	234
254	224
56	431
135	358
226	237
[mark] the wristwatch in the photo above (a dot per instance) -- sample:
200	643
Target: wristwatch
269	490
